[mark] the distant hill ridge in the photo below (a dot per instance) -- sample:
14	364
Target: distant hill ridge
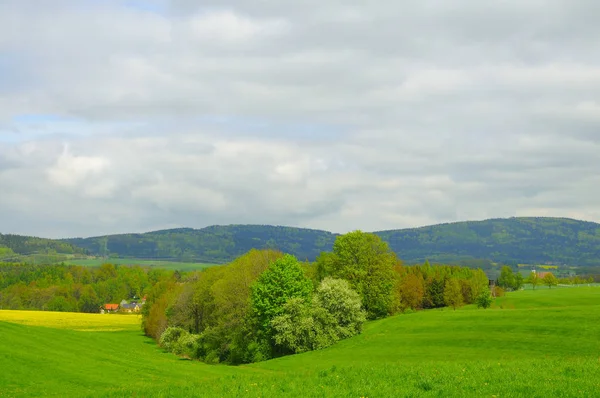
516	240
508	240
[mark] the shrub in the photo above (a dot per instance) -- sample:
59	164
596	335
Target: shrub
296	329
187	345
343	304
170	336
484	300
333	314
498	291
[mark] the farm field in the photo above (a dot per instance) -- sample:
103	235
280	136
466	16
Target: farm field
530	344
171	265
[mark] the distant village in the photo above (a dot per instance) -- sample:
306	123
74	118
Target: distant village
124	306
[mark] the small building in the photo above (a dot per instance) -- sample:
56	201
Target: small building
109	308
130	307
541	275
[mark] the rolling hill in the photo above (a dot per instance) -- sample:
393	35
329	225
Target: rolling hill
15	246
529	344
528	240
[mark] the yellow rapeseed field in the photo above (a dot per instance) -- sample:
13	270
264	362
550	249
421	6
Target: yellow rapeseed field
72	320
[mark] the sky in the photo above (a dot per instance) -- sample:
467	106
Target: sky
132	116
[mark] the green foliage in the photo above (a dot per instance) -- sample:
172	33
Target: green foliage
215	303
343	304
366	262
215	244
302	327
453	296
410	291
434	292
429	353
26	245
170	336
283	280
550	280
72	288
527	240
518	281
533	279
507	278
484	299
476	244
334	314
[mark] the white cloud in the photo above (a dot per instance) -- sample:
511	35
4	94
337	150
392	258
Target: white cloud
316	114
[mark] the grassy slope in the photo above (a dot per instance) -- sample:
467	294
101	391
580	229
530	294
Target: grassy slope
546	344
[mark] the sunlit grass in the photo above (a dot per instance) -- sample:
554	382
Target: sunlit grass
531	344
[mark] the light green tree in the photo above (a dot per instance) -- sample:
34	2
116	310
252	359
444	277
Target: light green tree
366	262
484	300
343	304
453	294
550	280
534	279
333	314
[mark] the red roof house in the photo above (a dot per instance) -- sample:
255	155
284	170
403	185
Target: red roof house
111	307
542	274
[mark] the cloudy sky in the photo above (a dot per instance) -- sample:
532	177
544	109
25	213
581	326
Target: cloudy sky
129	116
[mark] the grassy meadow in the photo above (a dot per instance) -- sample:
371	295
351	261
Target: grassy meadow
530	344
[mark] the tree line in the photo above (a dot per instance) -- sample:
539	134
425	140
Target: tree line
73	288
266	304
514	280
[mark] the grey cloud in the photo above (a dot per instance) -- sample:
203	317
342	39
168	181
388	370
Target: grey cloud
321	114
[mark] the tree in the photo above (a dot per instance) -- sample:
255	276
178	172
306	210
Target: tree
453	293
484	300
550	280
301	327
283	280
518	281
507	277
366	262
88	300
411	291
343	304
479	283
533	279
434	291
335	313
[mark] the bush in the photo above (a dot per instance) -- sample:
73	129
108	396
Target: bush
333	314
343	304
498	291
170	336
187	345
484	300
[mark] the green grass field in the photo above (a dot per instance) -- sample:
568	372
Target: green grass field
172	265
531	344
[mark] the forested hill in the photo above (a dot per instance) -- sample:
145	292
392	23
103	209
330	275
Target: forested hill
512	240
25	245
524	240
216	244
